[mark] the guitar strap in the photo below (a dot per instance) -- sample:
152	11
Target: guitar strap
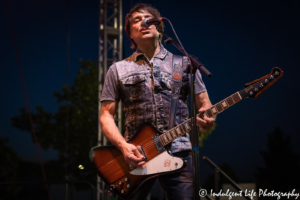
176	84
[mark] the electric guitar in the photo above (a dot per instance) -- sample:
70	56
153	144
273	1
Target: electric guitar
124	180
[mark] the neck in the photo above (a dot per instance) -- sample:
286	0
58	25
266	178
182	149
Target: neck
150	50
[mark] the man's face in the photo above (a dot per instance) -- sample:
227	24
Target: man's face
139	33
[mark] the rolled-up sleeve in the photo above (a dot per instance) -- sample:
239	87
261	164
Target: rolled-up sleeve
199	84
110	91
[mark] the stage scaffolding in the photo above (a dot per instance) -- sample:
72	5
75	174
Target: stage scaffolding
110	51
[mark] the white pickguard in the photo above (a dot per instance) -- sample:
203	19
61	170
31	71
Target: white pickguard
161	163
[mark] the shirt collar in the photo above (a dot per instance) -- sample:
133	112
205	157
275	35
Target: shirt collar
161	54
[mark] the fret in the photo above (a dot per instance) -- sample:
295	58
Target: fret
209	113
240	97
170	136
179	130
173	133
183	130
163	139
176	131
167	138
183	127
214	110
187	127
224	104
236	97
219	107
230	101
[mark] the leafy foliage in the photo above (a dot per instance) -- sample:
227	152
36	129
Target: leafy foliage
72	130
9	164
209	183
204	136
281	171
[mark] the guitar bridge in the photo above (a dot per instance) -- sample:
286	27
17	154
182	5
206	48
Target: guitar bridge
142	151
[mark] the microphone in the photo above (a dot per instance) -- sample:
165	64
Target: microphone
148	22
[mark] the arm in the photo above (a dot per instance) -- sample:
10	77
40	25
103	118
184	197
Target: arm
131	154
203	103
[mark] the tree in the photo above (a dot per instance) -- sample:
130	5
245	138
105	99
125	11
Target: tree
281	171
209	183
72	130
204	136
9	164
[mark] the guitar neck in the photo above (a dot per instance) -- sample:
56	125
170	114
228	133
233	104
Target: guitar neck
186	126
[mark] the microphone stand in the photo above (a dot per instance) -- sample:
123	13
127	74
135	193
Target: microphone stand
196	64
191	69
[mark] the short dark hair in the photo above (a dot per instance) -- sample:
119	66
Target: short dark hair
138	7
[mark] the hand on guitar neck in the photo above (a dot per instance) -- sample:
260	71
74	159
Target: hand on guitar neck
203	103
206	123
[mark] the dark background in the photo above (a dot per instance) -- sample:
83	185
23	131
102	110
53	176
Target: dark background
238	41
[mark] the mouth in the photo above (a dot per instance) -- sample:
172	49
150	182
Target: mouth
144	30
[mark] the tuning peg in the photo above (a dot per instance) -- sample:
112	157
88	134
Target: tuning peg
271	77
261	85
112	188
127	179
266	80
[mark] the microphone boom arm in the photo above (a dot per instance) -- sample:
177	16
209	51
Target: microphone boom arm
196	64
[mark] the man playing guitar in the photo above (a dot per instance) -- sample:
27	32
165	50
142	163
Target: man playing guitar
142	83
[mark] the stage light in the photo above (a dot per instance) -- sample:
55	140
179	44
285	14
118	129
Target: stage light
80	167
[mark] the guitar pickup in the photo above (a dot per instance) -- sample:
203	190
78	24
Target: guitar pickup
158	144
142	151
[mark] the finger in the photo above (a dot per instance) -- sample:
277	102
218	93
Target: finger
200	122
138	154
136	165
140	164
136	159
201	110
209	120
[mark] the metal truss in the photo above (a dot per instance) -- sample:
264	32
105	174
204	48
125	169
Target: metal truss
110	51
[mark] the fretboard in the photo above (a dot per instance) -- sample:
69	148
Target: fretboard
186	126
222	105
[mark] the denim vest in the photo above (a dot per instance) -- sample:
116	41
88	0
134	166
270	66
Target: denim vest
144	88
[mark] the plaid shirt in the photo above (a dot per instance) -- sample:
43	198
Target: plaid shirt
144	88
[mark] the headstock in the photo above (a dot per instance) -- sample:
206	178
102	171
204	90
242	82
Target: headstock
255	88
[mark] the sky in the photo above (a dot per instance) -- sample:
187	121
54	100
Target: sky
238	41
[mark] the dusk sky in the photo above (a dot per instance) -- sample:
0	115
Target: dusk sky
238	41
